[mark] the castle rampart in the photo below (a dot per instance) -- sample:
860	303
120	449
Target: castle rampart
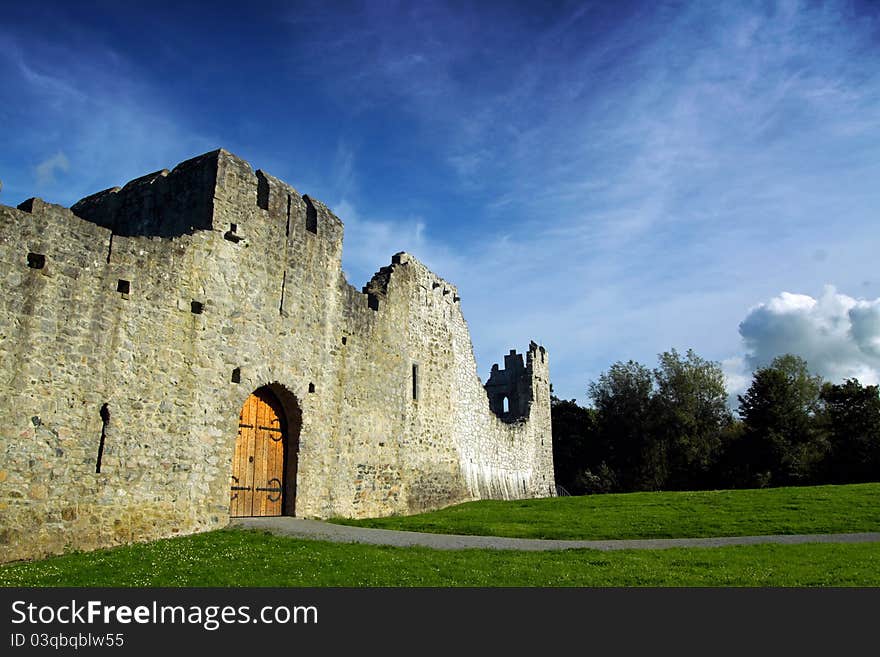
137	325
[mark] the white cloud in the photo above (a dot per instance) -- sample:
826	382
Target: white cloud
45	170
865	318
737	377
369	244
838	335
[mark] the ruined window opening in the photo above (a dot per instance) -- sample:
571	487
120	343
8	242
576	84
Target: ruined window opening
415	381
123	286
287	230
311	216
105	420
233	228
36	260
197	307
311	387
344	340
505	404
373	301
236	375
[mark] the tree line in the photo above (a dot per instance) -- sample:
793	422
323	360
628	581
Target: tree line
670	428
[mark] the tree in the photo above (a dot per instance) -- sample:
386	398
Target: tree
574	442
851	418
781	440
691	414
622	397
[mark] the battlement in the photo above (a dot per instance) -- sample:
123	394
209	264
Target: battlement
141	323
511	390
162	204
192	195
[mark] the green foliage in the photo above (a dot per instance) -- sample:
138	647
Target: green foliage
781	443
622	397
573	428
649	430
851	420
691	416
671	429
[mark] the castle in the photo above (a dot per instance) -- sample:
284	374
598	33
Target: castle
186	348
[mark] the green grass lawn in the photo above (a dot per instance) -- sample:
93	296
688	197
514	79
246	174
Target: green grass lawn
246	558
797	510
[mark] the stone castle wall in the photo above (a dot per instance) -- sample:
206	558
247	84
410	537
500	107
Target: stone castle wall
143	317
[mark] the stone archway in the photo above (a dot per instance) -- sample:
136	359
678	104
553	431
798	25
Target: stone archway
265	460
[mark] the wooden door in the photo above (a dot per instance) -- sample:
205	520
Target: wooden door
258	464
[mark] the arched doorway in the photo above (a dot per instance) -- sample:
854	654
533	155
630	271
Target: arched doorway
264	463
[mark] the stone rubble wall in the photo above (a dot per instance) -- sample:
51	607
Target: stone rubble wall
277	308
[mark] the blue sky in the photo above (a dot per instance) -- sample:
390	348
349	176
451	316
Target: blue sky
612	179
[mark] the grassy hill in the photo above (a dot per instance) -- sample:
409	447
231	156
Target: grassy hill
246	558
796	510
235	558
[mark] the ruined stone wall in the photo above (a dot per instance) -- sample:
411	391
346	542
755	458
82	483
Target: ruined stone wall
237	272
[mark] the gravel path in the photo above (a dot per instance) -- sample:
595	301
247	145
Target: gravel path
325	531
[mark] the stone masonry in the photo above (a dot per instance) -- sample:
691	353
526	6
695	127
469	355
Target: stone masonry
134	325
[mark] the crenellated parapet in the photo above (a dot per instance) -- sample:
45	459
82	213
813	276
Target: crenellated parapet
162	204
135	325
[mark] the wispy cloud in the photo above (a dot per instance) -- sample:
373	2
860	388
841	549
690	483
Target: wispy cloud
640	188
84	113
612	179
46	169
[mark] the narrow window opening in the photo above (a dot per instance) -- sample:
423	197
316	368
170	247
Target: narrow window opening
236	375
105	420
197	307
344	340
415	381
505	405
36	260
311	387
373	301
123	286
283	284
233	228
110	248
262	191
311	216
287	230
